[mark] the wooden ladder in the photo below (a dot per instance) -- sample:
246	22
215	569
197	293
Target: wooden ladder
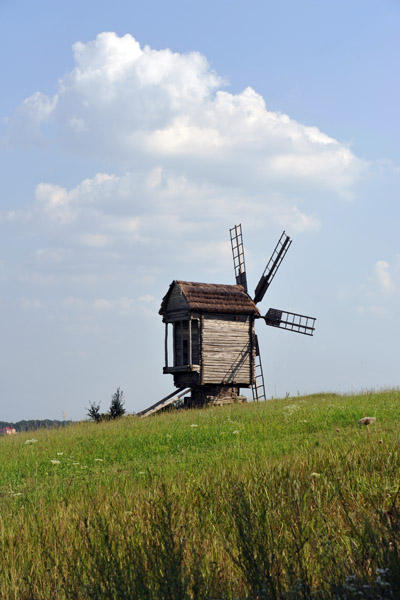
258	387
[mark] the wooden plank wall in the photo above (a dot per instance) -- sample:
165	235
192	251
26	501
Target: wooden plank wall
226	349
176	300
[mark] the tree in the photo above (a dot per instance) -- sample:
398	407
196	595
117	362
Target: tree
117	404
93	412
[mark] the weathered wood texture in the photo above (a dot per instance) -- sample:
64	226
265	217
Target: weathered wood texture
213	327
174	306
213	395
186	379
177	300
227	348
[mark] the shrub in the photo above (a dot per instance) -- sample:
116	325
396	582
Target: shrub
117	404
93	412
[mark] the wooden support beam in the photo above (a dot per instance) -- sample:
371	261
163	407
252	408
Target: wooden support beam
190	342
175	395
166	345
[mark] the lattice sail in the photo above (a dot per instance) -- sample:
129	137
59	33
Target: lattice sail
291	321
238	255
273	264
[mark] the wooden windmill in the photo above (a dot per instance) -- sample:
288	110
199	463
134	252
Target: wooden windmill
215	349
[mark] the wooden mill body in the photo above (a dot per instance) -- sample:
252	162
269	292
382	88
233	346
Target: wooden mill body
213	339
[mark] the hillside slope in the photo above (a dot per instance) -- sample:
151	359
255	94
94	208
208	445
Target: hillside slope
280	499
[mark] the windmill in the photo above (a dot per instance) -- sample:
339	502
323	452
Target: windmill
215	350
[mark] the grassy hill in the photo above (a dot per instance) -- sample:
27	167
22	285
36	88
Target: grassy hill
289	498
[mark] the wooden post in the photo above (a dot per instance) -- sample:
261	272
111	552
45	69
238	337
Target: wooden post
201	326
180	323
166	345
190	341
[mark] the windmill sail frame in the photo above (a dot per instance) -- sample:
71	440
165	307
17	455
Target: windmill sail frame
238	255
273	265
290	321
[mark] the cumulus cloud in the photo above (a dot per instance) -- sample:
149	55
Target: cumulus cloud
146	106
25	126
183	155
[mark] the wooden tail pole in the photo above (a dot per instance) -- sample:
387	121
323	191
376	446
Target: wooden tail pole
176	394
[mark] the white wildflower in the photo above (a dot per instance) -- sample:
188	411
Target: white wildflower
235	432
54	461
193	425
30	441
98	460
290	408
12	493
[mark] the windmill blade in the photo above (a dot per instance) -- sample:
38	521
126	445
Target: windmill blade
277	257
258	387
238	255
291	321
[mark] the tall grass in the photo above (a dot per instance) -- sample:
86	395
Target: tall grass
285	499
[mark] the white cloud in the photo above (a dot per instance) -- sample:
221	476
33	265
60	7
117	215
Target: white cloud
95	240
51	255
54	202
25	126
62	207
102	304
144	106
77	124
29	303
147	299
381	290
373	309
122	306
184	156
109	213
383	277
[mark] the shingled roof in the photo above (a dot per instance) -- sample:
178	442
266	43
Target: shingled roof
213	298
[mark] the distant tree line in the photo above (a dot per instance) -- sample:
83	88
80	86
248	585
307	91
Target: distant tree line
116	410
32	424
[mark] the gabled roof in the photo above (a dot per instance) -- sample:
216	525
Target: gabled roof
213	298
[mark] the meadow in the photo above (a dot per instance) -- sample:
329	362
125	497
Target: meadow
284	499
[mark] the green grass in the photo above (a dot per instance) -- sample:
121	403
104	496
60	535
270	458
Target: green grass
289	498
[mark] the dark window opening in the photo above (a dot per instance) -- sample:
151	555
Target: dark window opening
184	342
195	343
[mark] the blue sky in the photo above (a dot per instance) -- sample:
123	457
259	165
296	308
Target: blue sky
134	135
